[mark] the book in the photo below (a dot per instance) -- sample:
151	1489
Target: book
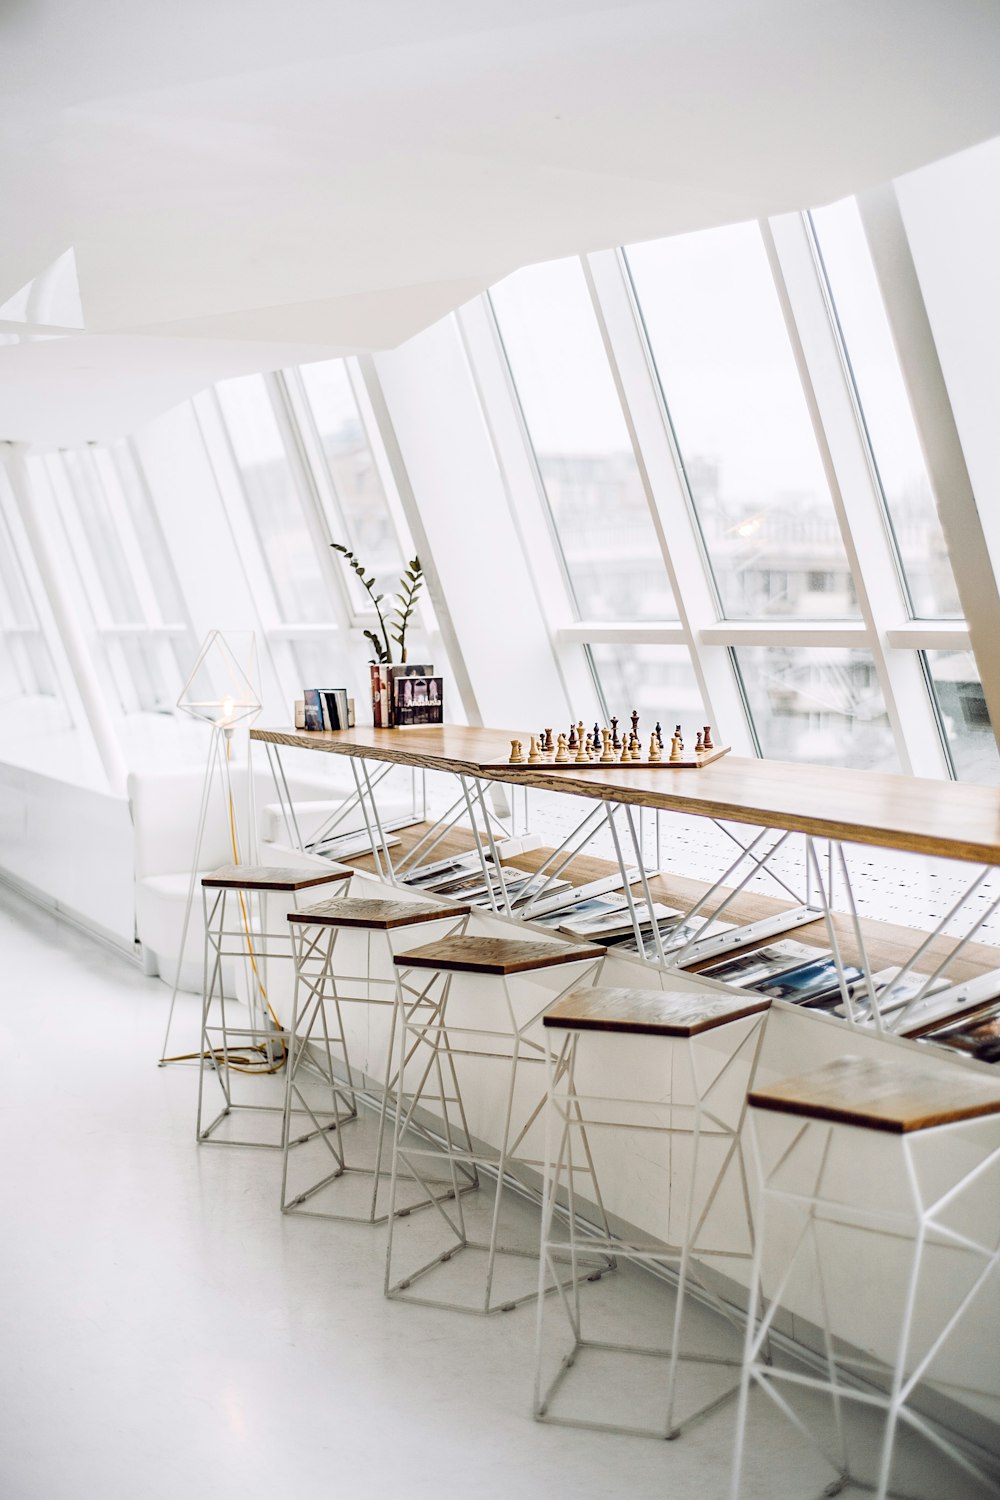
417	700
381	704
312	708
673	935
334	706
618	923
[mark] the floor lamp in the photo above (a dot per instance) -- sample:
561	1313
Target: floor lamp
220	691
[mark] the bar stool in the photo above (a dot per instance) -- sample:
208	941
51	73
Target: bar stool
872	1146
317	1031
469	1022
238	892
716	1043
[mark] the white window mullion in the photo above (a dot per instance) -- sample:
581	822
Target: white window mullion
660	470
846	459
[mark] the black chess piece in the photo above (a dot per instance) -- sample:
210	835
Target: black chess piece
635	722
659	734
679	735
548	744
597	736
699	743
571	742
616	743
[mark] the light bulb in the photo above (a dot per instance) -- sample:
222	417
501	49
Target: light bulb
228	708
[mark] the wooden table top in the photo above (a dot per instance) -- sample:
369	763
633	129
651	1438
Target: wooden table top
949	819
882	1094
676	1013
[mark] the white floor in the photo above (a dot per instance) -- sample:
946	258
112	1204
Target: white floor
167	1333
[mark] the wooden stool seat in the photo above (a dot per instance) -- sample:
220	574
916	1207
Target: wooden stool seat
271	877
495	955
362	911
650	1012
879	1094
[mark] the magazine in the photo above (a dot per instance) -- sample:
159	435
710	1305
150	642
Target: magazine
977	1036
751	968
673	935
814	984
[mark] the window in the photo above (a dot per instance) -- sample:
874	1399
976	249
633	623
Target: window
27	673
274	502
742	427
600	515
962	713
362	519
882	400
657	681
819	704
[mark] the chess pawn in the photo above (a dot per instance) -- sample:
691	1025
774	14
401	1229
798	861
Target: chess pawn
534	755
562	754
571	742
548	745
676	749
516	753
654	749
635	747
699	743
616	743
659	734
679	735
626	754
707	741
589	745
607	754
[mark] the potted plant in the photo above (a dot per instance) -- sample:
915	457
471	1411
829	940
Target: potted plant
392	626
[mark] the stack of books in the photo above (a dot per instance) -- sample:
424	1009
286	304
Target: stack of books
327	708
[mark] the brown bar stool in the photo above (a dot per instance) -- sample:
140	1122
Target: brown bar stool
472	1021
316	1031
713	1042
234	898
887	1146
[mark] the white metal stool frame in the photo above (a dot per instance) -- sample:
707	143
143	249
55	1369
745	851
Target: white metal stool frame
845	1376
440	1038
253	944
566	1114
314	948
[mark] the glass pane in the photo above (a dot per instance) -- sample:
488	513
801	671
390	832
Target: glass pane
104	543
274	502
123	470
819	704
732	388
888	419
354	477
961	707
657	681
596	499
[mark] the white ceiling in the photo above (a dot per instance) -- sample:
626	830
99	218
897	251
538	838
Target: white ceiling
232	185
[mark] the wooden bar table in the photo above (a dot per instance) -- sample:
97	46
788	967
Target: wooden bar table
828	806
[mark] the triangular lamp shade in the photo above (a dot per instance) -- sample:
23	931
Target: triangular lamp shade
220	688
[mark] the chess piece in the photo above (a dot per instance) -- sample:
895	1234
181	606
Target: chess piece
707	741
589	744
516	753
582	753
580	735
607	754
571	742
680	734
699	743
676	752
534	755
635	723
547	744
659	734
626	754
562	754
654	749
635	747
616	743
597	737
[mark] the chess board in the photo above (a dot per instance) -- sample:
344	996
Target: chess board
691	760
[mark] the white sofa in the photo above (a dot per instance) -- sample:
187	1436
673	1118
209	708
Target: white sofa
164	807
